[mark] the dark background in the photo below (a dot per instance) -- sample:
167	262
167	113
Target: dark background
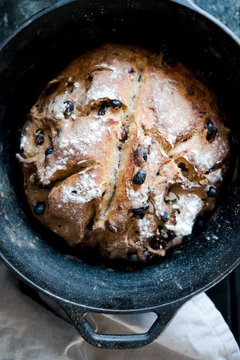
226	295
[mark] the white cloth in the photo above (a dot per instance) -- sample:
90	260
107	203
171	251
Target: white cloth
30	332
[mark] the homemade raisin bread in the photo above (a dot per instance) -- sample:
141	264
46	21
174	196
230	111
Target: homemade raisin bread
123	151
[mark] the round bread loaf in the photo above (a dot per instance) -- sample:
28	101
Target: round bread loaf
123	151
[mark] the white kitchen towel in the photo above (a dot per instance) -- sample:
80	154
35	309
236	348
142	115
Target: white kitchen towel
28	331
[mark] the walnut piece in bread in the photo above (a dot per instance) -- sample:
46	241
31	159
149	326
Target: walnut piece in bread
123	151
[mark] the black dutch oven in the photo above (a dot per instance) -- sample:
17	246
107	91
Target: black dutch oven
33	55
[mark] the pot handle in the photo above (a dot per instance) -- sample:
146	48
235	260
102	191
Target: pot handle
78	317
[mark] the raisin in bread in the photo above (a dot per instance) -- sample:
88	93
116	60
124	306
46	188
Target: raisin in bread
123	151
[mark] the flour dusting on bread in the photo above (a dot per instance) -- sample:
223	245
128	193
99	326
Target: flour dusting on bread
124	151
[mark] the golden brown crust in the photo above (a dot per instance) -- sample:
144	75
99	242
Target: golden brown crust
111	113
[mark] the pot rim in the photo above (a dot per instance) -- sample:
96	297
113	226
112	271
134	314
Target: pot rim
190	5
60	300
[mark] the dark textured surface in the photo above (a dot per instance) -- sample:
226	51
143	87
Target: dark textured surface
228	11
191	266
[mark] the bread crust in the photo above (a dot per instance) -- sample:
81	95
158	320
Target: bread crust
111	113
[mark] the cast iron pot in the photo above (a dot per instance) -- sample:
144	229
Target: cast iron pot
32	56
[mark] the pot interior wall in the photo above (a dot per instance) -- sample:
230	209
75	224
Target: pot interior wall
33	57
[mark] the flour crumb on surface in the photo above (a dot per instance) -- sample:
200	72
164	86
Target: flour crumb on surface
84	190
